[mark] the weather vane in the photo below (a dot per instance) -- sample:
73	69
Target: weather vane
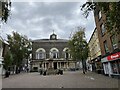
53	31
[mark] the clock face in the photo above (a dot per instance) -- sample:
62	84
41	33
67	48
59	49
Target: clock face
53	36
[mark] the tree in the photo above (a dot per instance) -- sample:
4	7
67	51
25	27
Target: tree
19	47
79	47
110	9
8	60
5	6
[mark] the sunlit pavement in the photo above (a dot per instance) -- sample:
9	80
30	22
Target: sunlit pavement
74	79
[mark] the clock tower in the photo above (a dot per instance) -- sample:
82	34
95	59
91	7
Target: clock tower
53	36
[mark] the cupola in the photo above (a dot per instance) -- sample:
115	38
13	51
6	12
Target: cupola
53	36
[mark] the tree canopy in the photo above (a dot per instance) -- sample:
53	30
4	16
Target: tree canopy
78	46
20	48
8	60
5	6
110	9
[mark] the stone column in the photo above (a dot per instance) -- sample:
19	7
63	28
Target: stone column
42	65
64	64
60	64
67	65
45	65
52	64
57	65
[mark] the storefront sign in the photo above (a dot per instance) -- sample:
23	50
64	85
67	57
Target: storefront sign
104	59
113	56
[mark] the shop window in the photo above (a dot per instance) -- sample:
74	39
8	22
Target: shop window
106	47
115	67
98	65
114	42
106	69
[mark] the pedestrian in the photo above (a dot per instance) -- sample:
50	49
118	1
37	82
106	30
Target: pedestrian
27	69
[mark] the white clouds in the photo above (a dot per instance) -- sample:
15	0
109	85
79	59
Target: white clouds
14	10
37	20
32	4
49	1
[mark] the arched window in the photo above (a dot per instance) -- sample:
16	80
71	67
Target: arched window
40	53
66	53
54	53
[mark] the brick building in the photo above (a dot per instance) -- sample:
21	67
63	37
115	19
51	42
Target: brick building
109	45
51	53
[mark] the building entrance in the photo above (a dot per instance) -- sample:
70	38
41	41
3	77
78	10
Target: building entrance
55	65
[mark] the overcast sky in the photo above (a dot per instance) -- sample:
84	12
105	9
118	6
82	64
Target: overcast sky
37	20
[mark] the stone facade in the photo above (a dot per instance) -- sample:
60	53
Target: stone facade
51	53
95	52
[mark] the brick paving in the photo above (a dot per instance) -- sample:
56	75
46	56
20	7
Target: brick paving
68	80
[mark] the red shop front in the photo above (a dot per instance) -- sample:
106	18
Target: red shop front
115	62
111	64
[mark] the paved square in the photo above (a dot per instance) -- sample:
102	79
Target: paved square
68	80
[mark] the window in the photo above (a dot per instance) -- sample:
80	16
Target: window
103	30
40	54
106	47
66	54
106	68
114	41
115	67
54	53
100	15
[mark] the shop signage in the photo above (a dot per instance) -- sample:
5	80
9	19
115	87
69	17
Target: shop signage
104	59
113	56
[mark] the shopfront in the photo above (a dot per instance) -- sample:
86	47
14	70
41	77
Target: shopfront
111	64
97	65
1	66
